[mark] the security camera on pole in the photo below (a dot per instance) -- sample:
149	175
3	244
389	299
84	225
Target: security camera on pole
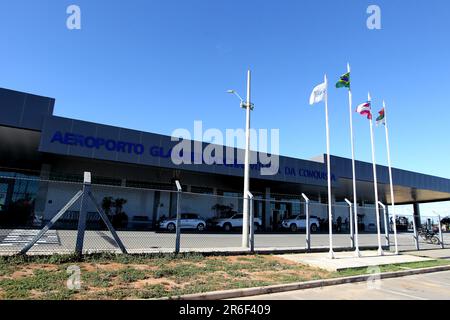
248	106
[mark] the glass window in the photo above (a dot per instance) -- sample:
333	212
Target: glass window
203	190
149	185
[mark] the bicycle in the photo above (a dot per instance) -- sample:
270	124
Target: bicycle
429	236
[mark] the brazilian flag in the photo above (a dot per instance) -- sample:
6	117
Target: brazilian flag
344	81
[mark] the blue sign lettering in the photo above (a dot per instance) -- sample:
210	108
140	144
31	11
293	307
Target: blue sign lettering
112	145
97	143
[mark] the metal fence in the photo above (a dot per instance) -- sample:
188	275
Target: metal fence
46	215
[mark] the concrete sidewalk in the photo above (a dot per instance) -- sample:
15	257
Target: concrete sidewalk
434	286
345	260
433	254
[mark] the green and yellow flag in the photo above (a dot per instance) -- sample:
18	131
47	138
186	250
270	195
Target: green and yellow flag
344	81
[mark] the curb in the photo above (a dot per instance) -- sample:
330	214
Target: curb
238	293
260	251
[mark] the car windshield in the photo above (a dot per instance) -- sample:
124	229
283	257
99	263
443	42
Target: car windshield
237	216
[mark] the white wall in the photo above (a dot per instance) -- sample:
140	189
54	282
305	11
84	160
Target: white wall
59	194
202	204
140	203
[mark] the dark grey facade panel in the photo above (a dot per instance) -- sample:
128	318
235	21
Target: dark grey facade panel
131	146
96	141
23	110
364	171
84	139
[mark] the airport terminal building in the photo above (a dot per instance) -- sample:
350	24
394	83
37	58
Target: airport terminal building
43	157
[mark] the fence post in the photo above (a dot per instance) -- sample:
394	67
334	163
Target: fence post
108	224
308	230
441	236
252	222
352	233
61	212
83	213
416	236
386	230
178	231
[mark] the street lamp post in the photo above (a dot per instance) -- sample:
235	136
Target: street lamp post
248	106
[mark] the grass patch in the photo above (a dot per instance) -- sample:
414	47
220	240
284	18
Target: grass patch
110	276
395	267
152	291
98	279
41	281
129	275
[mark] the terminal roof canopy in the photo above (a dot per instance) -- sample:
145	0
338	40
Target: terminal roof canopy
27	136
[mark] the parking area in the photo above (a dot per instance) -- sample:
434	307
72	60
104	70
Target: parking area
63	241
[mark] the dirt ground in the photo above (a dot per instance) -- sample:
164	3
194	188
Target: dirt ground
147	278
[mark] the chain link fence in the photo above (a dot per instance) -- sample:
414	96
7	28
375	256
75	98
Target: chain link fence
145	218
429	232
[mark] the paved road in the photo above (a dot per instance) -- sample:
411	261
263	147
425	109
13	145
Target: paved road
148	241
431	286
22	237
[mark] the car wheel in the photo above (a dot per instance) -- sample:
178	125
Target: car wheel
227	227
201	227
171	227
293	227
314	227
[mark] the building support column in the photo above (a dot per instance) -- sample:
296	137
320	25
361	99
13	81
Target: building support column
156	206
267	211
388	219
416	208
41	195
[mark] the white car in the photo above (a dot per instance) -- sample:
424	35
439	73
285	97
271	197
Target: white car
299	222
233	222
187	221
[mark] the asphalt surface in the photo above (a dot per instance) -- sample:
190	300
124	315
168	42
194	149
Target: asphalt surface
149	241
430	286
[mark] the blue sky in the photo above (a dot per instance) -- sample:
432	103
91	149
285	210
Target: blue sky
161	65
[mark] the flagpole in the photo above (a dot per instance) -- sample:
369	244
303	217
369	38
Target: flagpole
330	217
375	183
355	202
390	177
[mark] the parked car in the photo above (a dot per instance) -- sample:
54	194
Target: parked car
233	222
299	222
187	221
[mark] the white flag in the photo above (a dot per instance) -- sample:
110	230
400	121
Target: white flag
318	94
